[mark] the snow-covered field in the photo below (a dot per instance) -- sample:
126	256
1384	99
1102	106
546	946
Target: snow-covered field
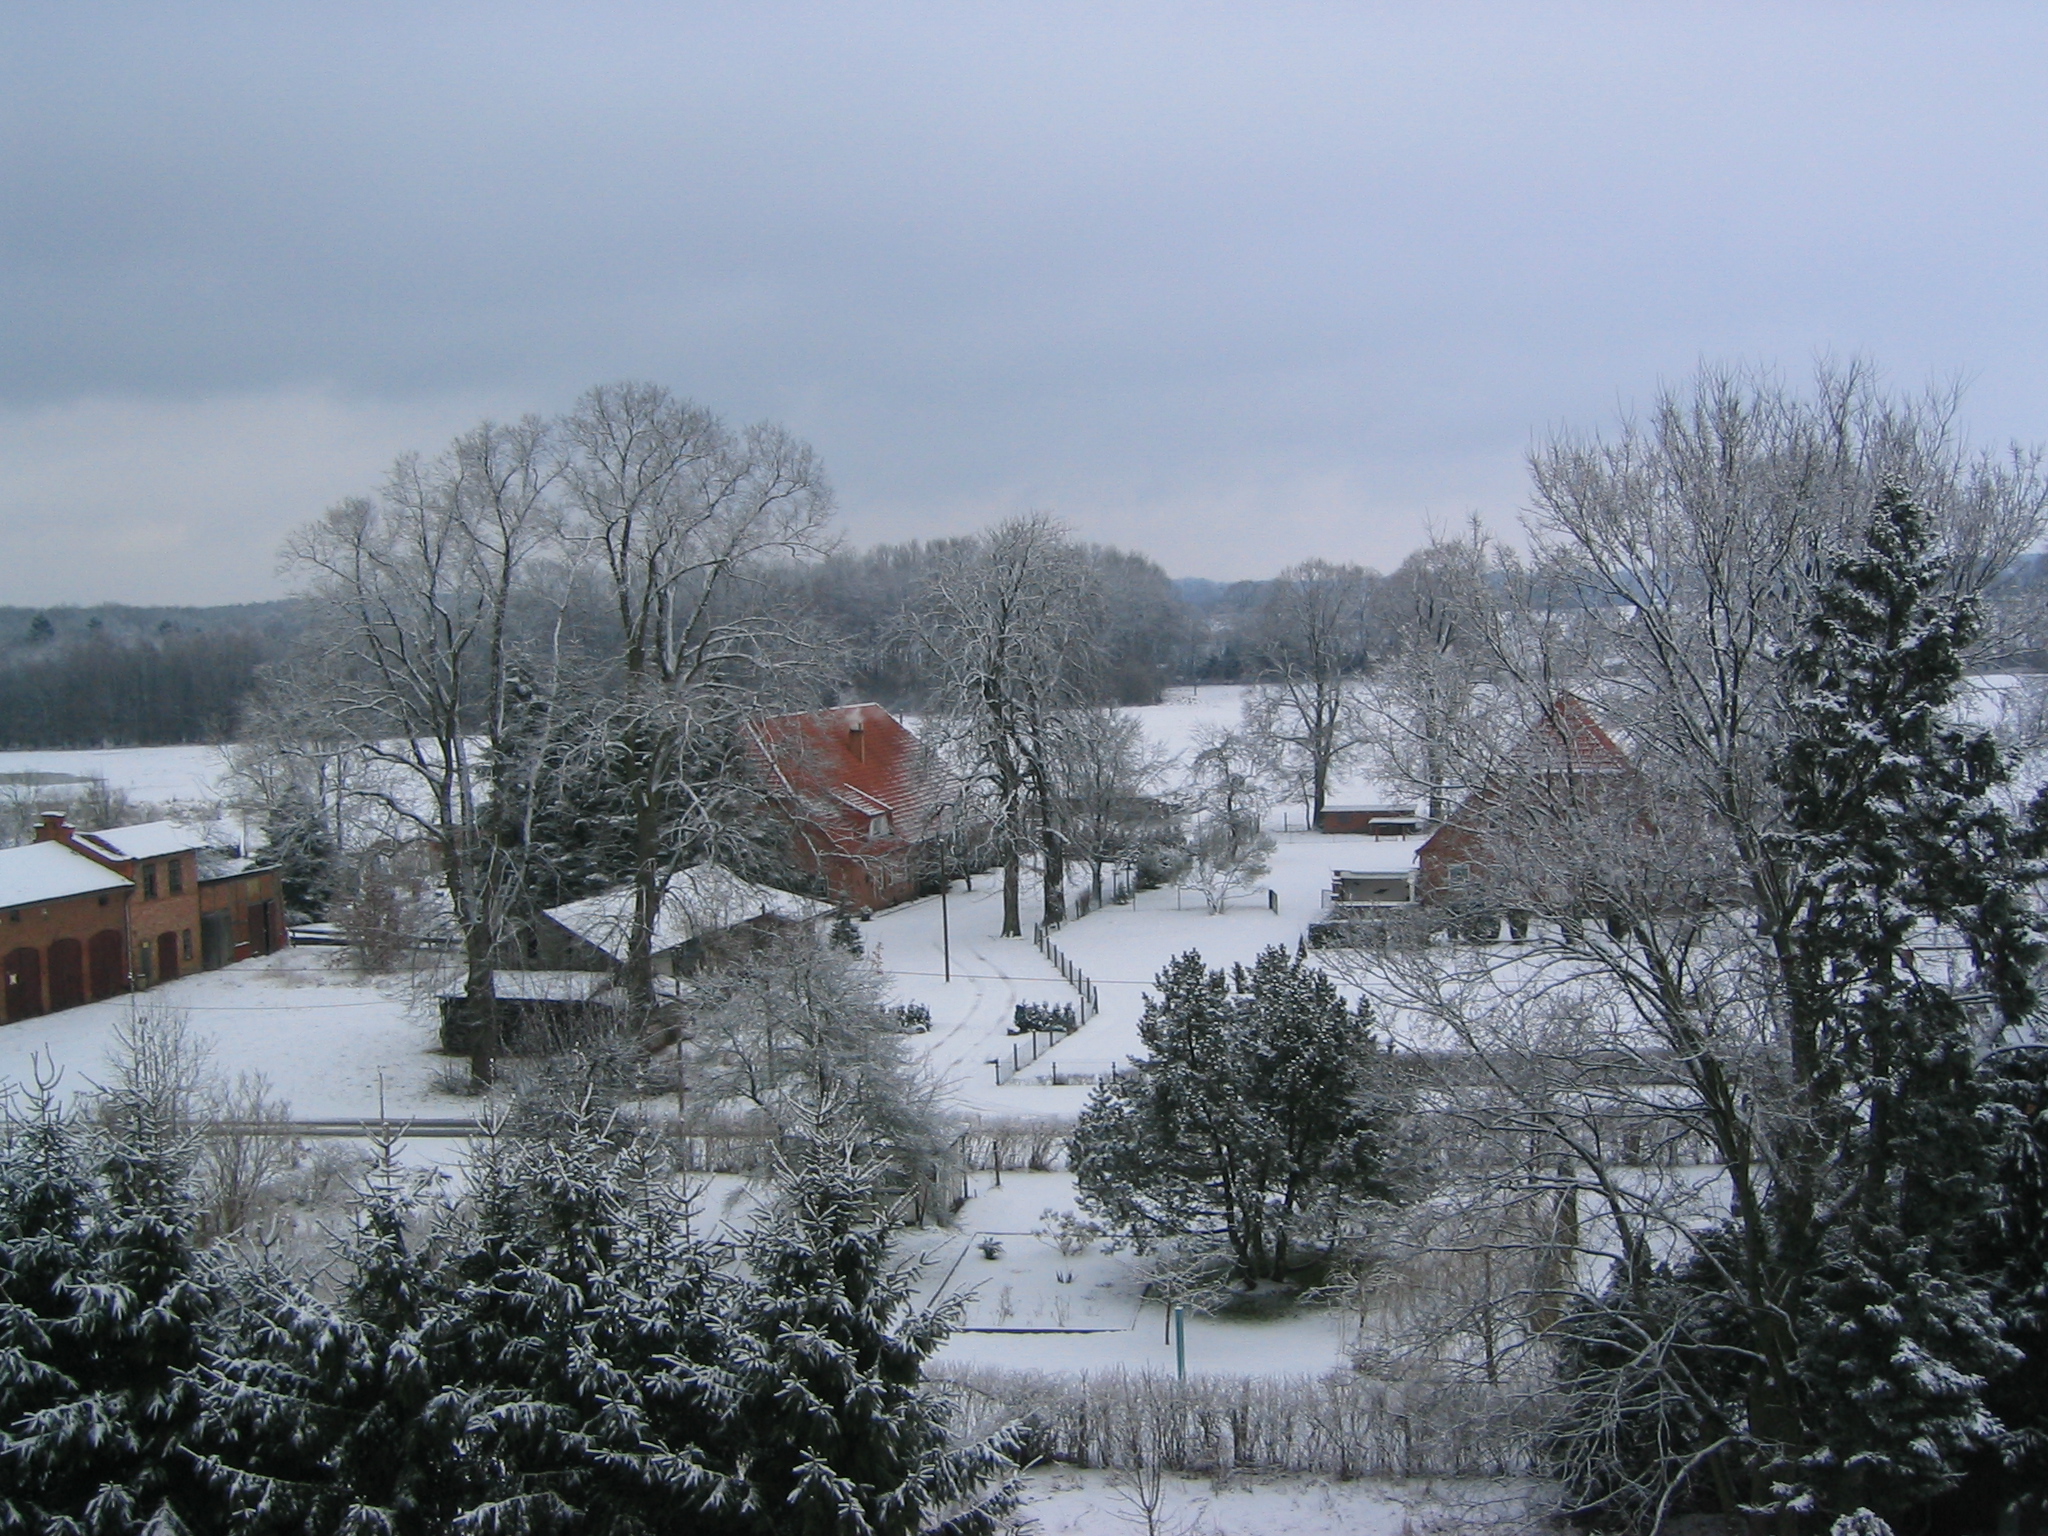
1066	1501
162	776
333	1046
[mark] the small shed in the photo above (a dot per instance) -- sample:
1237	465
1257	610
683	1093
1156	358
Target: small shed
1373	820
1363	906
1373	887
538	1011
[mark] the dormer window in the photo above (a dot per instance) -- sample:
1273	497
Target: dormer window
878	826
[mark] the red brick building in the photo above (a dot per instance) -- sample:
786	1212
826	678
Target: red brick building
1567	770
868	805
88	915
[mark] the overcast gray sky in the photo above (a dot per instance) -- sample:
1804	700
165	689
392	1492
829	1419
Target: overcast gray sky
1230	284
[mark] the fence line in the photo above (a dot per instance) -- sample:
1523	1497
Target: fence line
1025	1051
1091	1003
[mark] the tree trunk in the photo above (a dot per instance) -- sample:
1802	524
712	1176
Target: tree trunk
1053	866
1013	908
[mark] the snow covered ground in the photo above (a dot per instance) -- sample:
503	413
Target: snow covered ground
1121	948
332	1045
1068	1501
161	776
1021	1316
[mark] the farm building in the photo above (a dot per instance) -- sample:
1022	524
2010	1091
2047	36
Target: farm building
702	904
869	808
88	915
537	1010
1567	775
1376	820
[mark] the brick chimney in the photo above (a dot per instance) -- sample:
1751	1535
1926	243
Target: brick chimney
857	735
54	828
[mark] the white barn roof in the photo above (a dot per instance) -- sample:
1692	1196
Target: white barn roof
146	840
50	872
702	900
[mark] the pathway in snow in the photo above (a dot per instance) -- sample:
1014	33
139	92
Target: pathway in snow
1121	948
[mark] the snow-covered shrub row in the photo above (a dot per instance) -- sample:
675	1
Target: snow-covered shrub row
1338	1425
1038	1146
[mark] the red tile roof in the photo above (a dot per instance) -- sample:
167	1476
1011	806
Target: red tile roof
1569	739
840	769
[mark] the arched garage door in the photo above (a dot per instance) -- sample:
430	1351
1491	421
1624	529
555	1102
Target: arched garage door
24	969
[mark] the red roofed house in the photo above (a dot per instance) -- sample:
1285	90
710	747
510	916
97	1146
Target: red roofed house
1566	769
868	804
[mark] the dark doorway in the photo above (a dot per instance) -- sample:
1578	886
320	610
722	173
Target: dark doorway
216	939
67	974
103	957
167	957
24	983
259	927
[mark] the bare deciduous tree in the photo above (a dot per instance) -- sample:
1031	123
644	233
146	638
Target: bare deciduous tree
1312	635
415	593
680	516
1007	624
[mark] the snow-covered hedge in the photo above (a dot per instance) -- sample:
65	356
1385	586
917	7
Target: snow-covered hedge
1338	1425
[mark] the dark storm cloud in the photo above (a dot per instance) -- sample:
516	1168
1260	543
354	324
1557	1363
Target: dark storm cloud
1233	284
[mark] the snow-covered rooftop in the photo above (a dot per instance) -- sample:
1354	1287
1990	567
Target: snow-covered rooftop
147	840
50	872
700	901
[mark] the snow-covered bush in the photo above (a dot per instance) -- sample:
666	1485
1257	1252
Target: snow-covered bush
1261	1121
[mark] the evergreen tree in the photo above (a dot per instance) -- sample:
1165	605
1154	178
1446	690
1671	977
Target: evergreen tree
1260	1116
1891	833
559	807
344	1417
845	934
1837	1346
296	838
840	1433
104	1312
2014	1257
50	1223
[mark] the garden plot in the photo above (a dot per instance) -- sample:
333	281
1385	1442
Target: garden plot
1018	1282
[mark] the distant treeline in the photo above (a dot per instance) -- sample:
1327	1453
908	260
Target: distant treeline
120	677
136	676
1150	631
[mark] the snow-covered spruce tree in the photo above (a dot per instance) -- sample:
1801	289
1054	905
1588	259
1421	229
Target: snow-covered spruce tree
559	806
1891	834
51	1219
2014	1255
329	1417
840	1433
1831	1347
296	838
558	1363
104	1311
1261	1117
590	1330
